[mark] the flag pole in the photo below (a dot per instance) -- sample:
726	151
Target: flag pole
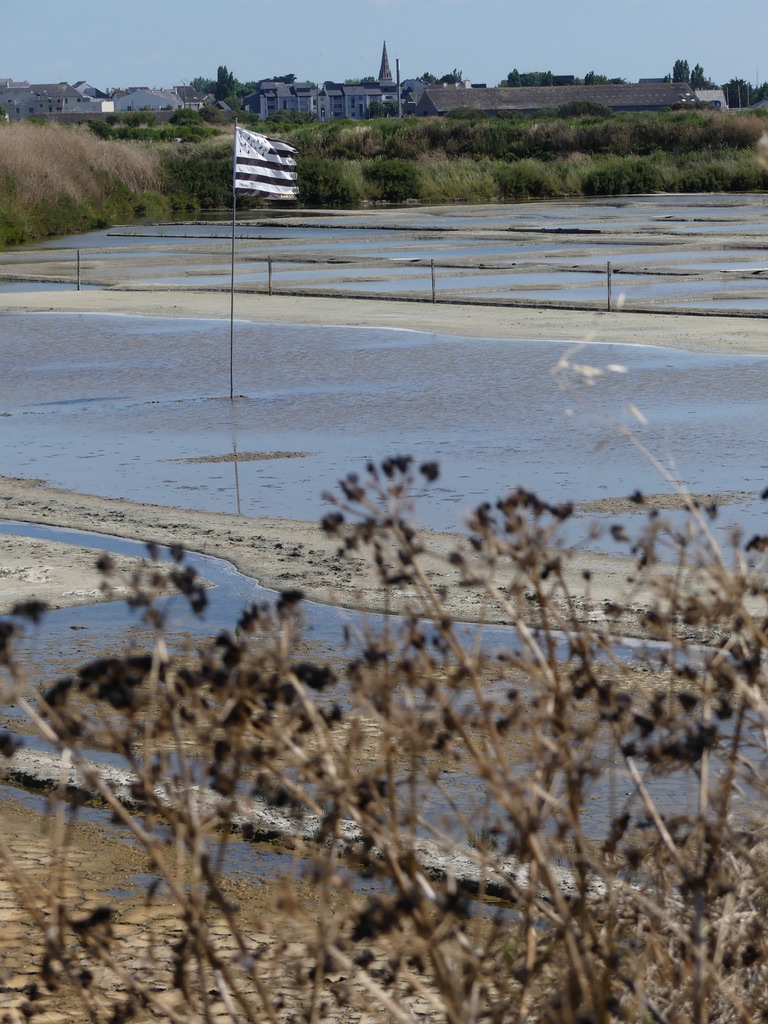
232	275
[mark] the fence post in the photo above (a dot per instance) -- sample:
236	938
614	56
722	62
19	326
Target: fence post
610	275
78	270
269	274
432	266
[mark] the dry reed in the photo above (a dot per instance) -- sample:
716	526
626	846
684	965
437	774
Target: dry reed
47	161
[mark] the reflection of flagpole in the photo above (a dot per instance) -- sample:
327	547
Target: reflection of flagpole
232	276
237	478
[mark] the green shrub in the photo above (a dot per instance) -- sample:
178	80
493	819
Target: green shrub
138	117
212	115
151	205
395	181
583	108
526	179
465	114
185	116
326	182
199	180
623	176
100	128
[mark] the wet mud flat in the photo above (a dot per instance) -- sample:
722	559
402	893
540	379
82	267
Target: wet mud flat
689	253
102	876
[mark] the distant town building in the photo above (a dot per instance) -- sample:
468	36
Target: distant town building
272	97
337	100
714	96
141	98
385	74
88	90
333	101
22	100
191	99
436	101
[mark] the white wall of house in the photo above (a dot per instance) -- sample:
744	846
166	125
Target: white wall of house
148	99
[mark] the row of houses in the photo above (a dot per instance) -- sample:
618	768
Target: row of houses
25	99
330	102
333	101
336	100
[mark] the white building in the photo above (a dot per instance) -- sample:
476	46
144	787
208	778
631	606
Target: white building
714	96
148	99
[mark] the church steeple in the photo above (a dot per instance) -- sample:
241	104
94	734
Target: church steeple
385	74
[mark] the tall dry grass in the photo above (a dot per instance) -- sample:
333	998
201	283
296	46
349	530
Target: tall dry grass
63	180
50	160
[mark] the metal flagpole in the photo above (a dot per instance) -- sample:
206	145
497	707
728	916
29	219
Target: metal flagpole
232	276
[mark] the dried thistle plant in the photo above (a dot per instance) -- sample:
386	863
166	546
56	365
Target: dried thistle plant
561	830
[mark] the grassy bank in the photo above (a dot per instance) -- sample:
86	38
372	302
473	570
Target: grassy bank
447	160
61	180
56	180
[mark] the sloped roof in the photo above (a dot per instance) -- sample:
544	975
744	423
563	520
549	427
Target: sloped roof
52	89
189	94
651	95
716	96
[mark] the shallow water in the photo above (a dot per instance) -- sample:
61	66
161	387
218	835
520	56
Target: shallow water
664	232
116	405
76	635
42	286
670	290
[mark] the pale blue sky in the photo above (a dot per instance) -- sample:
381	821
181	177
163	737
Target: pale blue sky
164	43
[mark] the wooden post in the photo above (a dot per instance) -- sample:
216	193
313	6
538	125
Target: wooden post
78	270
269	274
432	265
610	275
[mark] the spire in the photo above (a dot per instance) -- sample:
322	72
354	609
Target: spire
385	75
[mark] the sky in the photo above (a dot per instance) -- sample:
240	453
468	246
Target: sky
164	43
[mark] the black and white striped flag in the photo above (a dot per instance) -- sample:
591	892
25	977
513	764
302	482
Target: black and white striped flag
263	167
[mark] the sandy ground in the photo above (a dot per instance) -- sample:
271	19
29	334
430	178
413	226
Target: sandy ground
59	575
100	869
695	333
280	554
